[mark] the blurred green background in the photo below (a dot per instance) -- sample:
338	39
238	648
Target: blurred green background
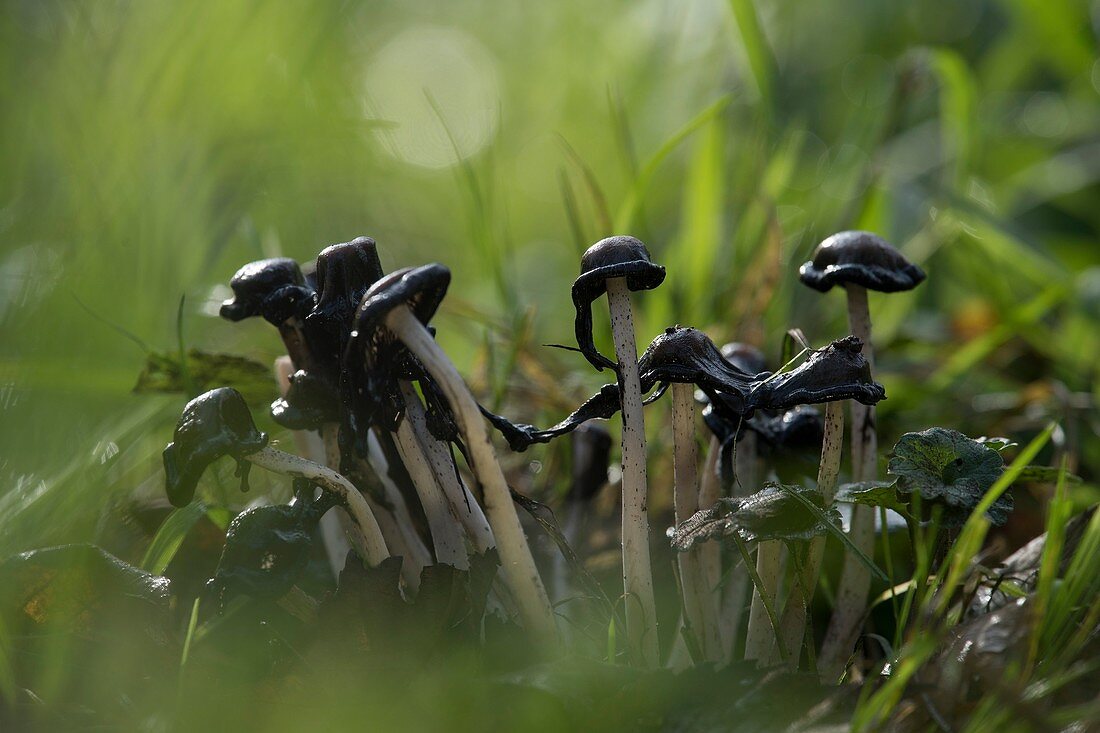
150	148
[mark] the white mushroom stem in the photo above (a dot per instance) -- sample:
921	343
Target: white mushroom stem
855	579
369	542
760	639
793	625
710	553
517	564
738	582
417	556
641	609
698	602
450	547
463	505
397	528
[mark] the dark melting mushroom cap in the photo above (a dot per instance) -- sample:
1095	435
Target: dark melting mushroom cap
344	273
375	360
422	289
274	289
212	425
309	403
267	548
837	372
687	356
860	258
609	258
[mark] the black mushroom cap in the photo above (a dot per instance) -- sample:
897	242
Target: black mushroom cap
686	355
214	424
344	273
609	258
308	404
267	548
837	372
375	360
274	289
860	258
422	289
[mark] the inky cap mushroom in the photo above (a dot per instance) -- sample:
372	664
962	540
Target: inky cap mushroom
344	273
860	258
609	258
309	403
214	424
375	360
686	355
267	548
837	372
274	289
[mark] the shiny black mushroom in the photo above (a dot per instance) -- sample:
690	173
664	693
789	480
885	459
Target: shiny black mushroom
267	548
860	258
614	257
214	424
375	360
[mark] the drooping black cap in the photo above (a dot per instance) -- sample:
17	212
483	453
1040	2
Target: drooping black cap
375	360
214	424
801	427
837	372
422	289
344	273
860	258
609	258
686	355
267	548
309	403
274	289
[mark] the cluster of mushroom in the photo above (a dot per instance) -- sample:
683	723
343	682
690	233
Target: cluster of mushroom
378	410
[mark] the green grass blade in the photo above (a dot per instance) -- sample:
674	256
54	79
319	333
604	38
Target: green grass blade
170	536
757	49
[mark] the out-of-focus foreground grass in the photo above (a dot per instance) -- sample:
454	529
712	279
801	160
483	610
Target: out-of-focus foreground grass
150	148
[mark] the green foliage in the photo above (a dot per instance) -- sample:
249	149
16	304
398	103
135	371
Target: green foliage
945	466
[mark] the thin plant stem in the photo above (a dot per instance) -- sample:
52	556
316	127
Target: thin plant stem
517	564
641	608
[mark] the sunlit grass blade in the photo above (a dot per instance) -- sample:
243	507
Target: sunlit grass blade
757	50
170	536
632	204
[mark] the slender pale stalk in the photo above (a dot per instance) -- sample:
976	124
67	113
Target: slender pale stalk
760	639
855	579
368	539
402	541
793	625
641	609
710	488
418	553
450	547
462	503
698	603
517	564
732	605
